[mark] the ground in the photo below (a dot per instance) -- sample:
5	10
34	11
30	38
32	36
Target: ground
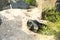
14	26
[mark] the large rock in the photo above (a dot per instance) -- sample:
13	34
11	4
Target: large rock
11	26
18	4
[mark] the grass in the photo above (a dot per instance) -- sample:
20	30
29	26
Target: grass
53	25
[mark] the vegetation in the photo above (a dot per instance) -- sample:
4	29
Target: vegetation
53	16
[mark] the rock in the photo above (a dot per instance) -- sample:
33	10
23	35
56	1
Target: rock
12	25
34	25
18	4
